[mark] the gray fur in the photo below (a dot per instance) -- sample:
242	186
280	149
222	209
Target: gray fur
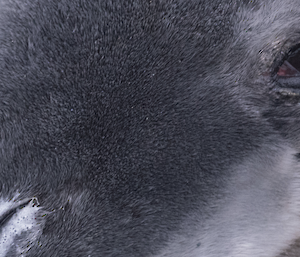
149	128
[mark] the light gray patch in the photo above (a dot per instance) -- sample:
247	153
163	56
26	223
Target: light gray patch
257	216
22	227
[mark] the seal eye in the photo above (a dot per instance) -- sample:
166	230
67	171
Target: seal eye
288	74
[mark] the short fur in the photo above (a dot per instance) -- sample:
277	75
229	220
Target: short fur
150	128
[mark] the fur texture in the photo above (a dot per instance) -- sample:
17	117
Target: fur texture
149	128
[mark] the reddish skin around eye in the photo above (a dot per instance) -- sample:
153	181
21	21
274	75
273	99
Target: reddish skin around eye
287	70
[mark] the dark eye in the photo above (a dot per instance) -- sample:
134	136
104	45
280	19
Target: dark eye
288	74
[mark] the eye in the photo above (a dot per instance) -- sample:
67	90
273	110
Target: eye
288	73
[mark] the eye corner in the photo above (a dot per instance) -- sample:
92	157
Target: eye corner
287	69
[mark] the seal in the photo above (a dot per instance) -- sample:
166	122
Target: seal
158	128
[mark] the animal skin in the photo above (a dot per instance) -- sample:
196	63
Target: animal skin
149	128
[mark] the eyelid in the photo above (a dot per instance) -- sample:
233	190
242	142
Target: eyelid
288	70
287	74
290	62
